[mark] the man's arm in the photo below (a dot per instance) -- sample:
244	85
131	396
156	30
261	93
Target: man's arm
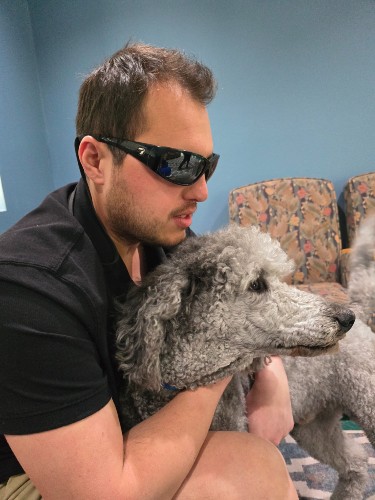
268	403
90	459
60	378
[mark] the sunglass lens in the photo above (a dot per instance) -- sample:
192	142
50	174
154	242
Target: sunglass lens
212	163
180	168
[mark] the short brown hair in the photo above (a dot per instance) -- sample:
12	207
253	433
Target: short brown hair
111	97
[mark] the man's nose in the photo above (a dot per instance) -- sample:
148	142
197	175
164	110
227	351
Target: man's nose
197	191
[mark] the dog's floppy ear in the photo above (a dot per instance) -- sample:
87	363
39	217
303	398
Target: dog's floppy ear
142	327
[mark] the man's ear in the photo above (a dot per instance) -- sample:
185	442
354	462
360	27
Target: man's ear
91	154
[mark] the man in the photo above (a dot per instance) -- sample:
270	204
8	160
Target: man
60	269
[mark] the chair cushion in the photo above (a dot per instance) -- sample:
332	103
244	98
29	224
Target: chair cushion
333	292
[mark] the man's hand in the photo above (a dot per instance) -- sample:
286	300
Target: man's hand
268	403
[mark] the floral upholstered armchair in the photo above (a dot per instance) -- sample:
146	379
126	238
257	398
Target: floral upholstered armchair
301	213
359	195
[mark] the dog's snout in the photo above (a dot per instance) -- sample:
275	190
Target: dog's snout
345	318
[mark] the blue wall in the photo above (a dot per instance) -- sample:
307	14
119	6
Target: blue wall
296	83
24	163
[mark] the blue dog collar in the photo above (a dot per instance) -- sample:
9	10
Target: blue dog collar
169	387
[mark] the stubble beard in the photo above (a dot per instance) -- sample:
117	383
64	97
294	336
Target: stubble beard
127	221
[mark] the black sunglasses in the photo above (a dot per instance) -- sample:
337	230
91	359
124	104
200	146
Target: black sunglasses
174	165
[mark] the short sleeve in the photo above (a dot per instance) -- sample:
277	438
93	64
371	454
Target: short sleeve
50	369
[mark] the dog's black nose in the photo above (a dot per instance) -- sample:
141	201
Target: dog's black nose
345	318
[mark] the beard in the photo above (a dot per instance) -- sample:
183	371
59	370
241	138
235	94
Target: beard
128	221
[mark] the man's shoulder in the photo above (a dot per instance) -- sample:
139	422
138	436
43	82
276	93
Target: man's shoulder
48	251
43	237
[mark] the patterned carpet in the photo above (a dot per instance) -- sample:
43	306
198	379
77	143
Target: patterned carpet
315	481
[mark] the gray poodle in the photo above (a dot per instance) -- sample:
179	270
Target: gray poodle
327	387
362	271
218	306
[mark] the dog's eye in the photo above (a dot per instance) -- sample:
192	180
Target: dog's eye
258	285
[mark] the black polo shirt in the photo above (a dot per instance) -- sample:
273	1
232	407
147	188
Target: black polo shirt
59	275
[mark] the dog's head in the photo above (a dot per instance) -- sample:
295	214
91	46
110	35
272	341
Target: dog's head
216	305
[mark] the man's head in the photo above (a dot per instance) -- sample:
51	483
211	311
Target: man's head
158	97
112	97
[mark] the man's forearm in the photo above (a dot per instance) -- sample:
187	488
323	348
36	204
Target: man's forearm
160	452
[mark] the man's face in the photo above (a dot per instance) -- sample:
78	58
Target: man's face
138	204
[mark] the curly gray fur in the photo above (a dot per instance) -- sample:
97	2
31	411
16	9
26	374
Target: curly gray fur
362	270
218	306
344	383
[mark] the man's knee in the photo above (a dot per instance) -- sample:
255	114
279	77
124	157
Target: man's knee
238	466
258	470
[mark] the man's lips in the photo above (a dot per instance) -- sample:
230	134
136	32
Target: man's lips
184	220
184	217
